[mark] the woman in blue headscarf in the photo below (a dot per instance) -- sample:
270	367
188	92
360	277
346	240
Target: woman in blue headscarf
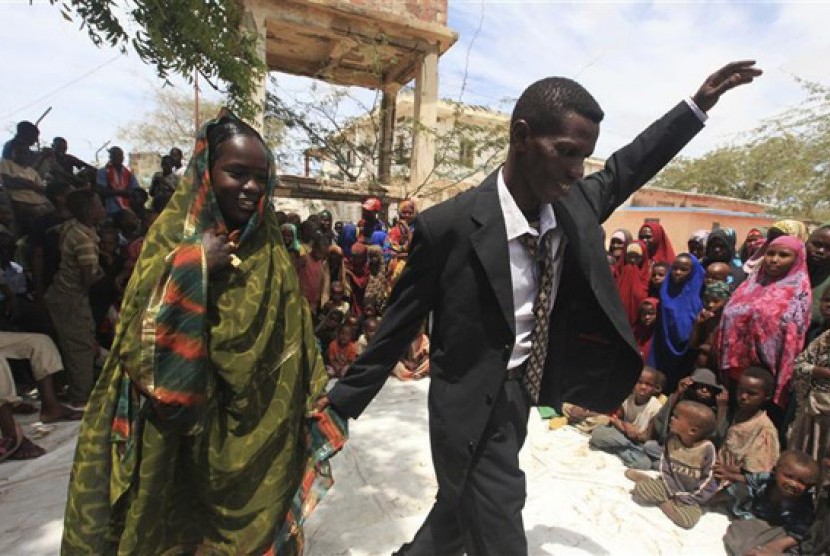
680	302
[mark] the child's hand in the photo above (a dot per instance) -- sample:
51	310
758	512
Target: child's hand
684	384
703	316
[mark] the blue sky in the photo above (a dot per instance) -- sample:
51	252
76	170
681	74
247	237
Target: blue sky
638	59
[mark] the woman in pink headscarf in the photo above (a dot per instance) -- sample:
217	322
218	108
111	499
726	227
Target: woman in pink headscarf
766	319
659	246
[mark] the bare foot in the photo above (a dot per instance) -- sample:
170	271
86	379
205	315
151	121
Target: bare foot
636	475
61	413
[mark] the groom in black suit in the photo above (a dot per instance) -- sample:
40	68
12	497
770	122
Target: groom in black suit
476	263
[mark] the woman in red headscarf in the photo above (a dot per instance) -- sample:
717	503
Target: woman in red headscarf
659	246
632	275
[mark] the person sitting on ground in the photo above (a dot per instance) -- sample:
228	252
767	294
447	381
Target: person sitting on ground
775	510
370	326
720	248
659	272
114	182
704	334
646	324
717	272
342	351
164	182
660	249
751	444
68	297
765	321
817	539
325	332
632	277
697	243
13	445
702	387
414	364
686	480
626	431
680	304
44	360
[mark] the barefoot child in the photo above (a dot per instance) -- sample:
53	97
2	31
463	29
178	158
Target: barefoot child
751	444
627	428
775	511
686	478
342	352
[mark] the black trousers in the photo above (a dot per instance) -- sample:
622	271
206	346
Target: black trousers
488	517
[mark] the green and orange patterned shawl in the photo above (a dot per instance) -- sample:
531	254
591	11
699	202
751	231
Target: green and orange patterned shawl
198	436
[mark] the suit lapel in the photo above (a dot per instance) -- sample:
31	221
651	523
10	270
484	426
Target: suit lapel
489	242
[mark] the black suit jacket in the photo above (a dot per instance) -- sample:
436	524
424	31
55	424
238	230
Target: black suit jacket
459	270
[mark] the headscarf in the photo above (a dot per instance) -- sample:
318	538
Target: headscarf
765	321
664	251
358	277
212	378
751	246
679	306
621	234
794	228
644	335
728	238
295	242
632	280
717	290
347	238
700	236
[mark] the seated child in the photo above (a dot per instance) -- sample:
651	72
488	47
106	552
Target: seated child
342	352
686	478
715	296
625	433
659	271
817	539
370	326
751	443
702	387
717	272
775	509
415	363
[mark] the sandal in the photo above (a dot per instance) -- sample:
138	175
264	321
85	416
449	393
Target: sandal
27	450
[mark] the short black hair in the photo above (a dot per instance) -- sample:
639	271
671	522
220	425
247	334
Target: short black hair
546	102
659	376
27	127
799	458
661	264
79	203
764	376
701	415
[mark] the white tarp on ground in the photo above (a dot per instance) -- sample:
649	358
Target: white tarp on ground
578	501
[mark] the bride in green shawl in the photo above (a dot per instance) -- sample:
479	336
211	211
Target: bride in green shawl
199	435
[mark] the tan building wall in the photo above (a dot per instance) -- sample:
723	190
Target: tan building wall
433	11
680	223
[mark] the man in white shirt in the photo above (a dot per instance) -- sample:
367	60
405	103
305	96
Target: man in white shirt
472	267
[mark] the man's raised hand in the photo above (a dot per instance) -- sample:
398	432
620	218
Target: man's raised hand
728	77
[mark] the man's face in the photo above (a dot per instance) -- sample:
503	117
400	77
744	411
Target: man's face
550	164
116	156
325	223
59	146
818	248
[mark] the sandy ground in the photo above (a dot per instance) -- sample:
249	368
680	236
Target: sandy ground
578	500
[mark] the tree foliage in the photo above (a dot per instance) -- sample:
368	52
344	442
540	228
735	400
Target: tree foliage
785	162
180	36
170	123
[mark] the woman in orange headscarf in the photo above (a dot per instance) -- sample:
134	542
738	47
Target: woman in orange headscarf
397	242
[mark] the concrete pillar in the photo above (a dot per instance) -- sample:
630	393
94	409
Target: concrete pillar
425	116
254	20
387	132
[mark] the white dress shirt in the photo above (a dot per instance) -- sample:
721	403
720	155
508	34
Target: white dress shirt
524	272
